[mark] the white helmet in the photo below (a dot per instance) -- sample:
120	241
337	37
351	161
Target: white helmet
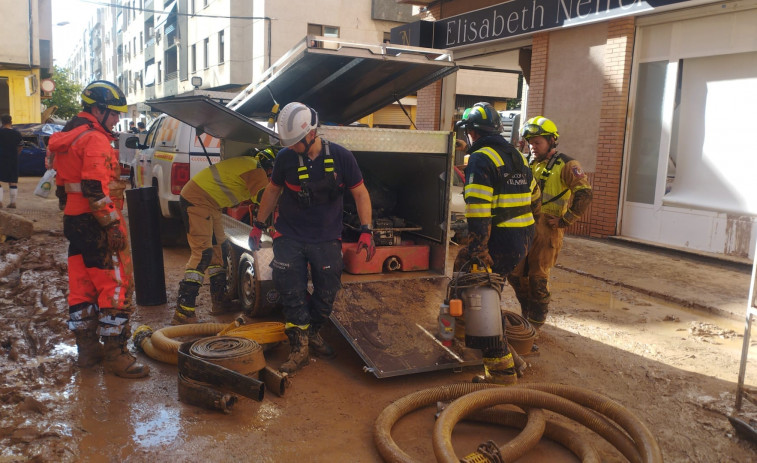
295	121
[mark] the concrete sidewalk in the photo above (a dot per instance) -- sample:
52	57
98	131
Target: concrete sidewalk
691	280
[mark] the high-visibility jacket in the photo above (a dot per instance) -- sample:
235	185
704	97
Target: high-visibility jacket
232	180
85	153
559	177
499	185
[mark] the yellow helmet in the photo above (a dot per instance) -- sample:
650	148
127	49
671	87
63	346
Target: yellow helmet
105	95
539	126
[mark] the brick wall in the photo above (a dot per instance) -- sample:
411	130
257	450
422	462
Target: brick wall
428	113
537	82
606	180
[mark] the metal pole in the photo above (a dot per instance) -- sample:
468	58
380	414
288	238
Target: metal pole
747	334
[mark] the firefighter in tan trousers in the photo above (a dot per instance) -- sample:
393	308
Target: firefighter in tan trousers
566	195
224	184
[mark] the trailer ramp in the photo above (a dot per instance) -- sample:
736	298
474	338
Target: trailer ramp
392	325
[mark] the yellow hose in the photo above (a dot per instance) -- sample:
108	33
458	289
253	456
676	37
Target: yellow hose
161	345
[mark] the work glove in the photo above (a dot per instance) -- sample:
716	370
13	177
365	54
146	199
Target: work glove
366	242
256	234
116	236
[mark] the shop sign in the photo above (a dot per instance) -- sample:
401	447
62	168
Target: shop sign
520	17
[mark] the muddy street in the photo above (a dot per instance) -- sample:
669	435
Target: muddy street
669	352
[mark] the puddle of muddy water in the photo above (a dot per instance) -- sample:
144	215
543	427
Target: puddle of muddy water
159	428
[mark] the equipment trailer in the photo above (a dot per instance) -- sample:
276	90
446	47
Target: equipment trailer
388	314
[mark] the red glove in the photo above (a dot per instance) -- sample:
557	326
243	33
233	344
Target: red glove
366	242
116	236
255	235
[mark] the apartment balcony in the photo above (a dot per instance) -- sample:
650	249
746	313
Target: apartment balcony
171	84
150	50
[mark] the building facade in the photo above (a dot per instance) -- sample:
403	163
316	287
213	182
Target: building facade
646	95
25	59
159	48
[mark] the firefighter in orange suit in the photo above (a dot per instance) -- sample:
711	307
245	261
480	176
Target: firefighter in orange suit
224	184
99	260
566	195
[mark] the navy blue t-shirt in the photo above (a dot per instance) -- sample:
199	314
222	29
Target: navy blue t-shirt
319	222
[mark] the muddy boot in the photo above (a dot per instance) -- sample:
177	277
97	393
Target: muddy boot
83	321
186	303
298	355
119	361
90	351
219	295
537	313
317	345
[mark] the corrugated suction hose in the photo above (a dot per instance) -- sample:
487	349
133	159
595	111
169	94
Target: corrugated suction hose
587	407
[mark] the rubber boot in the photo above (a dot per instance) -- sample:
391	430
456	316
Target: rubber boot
119	361
186	303
317	345
298	355
90	351
218	294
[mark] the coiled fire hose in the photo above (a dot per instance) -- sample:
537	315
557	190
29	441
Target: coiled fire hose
601	414
519	332
161	345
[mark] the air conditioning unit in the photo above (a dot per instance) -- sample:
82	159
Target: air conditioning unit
30	83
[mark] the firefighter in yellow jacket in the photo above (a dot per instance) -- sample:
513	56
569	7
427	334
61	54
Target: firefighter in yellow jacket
224	184
566	195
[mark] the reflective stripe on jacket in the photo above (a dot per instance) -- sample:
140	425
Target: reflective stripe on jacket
506	198
232	180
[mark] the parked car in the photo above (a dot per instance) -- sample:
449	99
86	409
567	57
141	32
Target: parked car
31	162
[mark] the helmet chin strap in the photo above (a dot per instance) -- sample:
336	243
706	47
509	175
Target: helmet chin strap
106	115
307	145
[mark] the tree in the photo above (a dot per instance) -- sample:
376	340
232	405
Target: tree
67	94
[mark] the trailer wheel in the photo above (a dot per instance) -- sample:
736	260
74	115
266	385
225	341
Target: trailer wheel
247	285
232	262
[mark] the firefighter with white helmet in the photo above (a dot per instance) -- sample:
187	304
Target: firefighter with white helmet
566	195
308	183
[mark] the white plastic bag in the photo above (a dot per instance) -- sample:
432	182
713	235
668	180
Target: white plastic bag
45	184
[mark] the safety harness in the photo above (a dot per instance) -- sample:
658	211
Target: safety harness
547	172
320	191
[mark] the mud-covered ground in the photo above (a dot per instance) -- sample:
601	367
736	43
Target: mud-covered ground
673	367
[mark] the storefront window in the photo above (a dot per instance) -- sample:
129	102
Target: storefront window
647	127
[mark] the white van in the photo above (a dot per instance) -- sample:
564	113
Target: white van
171	155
